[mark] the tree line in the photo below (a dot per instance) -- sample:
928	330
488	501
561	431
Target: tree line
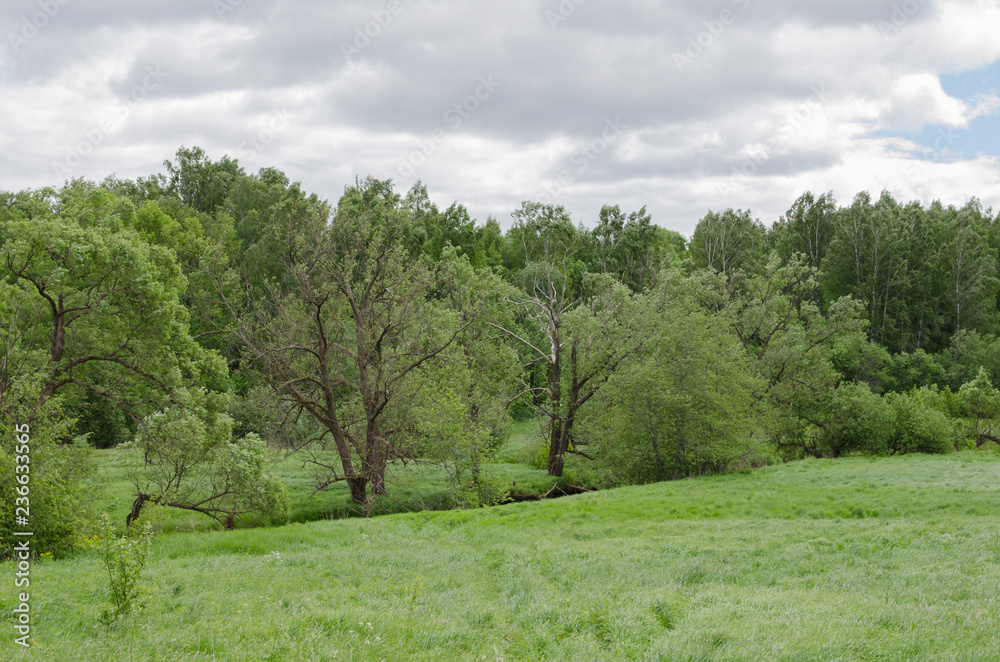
196	317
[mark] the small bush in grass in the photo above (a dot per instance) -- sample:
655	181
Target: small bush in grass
124	558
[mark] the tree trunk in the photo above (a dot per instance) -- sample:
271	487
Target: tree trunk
555	464
378	481
359	493
137	505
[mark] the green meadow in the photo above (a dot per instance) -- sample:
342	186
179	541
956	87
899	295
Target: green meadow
850	559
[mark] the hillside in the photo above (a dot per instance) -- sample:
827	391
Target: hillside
853	559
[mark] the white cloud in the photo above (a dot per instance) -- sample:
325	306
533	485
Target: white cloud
749	97
918	99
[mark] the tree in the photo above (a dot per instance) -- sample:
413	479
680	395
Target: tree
925	324
554	287
99	319
199	182
914	370
852	419
682	404
32	436
185	457
981	402
103	303
727	241
627	247
792	346
807	228
968	352
919	426
970	269
491	367
867	259
337	337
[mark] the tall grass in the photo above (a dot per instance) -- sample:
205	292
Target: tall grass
850	559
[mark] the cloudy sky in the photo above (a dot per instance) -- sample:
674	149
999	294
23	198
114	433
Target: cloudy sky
683	106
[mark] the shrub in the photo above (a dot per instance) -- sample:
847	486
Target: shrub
124	558
856	420
981	403
919	427
61	474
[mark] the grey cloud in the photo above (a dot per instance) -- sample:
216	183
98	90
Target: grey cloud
605	60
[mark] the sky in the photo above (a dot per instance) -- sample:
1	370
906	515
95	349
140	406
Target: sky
683	106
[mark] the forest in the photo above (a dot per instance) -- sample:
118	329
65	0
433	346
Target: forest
205	321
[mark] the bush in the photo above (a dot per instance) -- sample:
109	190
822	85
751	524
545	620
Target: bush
186	458
981	403
124	559
919	427
61	476
856	420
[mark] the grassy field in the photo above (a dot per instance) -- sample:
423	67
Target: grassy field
416	487
850	559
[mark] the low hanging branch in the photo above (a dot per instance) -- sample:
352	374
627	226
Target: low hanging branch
185	457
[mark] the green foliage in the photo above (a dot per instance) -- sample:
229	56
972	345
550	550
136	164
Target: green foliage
682	404
855	420
919	426
867	260
124	558
103	303
981	403
907	371
728	241
629	246
185	457
61	476
793	346
382	330
859	360
105	424
970	352
199	182
450	436
807	228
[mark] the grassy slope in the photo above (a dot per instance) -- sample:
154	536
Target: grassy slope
854	559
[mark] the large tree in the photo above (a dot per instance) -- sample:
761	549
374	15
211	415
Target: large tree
868	259
969	268
99	319
337	336
576	324
105	304
807	228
